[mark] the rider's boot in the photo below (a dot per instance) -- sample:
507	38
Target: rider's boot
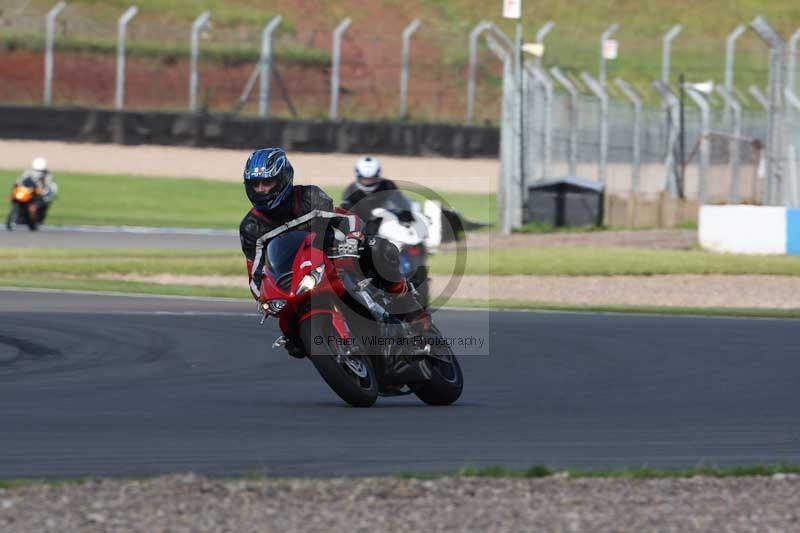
295	349
407	307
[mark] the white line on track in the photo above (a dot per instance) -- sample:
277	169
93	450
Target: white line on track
457	309
143	230
124	294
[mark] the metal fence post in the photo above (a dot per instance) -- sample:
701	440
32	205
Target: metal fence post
547	120
776	109
50	28
730	53
792	151
199	24
473	66
733	104
265	65
792	68
122	25
336	61
407	33
759	96
666	51
603	38
672	105
540	35
631	95
508	198
705	153
600	92
573	118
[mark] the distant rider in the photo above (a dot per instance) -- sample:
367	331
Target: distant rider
268	183
368	182
40	179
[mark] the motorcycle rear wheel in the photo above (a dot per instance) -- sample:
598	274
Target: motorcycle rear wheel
351	377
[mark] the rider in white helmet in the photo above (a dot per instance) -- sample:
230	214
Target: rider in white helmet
40	179
368	181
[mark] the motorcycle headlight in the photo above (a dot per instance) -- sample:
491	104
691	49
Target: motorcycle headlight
311	280
273	307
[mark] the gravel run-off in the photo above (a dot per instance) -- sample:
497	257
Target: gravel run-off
700	291
190	503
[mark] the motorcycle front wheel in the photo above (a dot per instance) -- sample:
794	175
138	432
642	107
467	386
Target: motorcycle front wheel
352	377
11	221
447	381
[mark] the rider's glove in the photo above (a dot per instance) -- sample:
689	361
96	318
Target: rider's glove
351	244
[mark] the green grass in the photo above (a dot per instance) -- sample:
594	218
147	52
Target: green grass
100	199
539	227
91	262
83	269
612	262
499	472
89	284
622	309
21	483
526	261
125	287
573	44
227	54
644	472
97	199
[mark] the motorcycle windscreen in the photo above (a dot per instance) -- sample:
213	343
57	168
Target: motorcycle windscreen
281	252
395	201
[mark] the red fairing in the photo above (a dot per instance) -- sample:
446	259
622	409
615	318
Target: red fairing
337	319
306	259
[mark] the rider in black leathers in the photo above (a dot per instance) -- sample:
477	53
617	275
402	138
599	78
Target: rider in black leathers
356	196
268	181
40	179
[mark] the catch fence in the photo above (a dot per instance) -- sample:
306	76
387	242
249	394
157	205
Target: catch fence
683	144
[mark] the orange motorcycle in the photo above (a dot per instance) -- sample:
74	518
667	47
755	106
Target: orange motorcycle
24	208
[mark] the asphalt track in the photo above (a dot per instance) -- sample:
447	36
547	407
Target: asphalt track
120	237
115	385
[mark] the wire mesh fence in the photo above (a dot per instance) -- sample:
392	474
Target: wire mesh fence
701	150
157	69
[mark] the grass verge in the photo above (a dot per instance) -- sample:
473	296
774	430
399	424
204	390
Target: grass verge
125	287
158	289
744	312
101	199
586	261
499	472
644	472
517	261
168	52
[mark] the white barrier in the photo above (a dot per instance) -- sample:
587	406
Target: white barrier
748	229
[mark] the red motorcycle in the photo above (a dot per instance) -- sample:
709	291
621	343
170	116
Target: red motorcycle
341	321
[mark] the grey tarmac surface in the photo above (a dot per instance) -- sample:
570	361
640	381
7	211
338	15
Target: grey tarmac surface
119	237
115	385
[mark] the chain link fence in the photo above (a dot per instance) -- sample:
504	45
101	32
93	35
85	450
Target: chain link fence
698	147
157	67
701	147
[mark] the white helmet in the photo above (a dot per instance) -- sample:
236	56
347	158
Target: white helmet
368	168
39	164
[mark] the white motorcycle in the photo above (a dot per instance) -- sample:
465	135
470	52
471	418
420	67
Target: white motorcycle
414	232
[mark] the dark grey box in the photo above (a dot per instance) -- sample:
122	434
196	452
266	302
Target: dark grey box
566	201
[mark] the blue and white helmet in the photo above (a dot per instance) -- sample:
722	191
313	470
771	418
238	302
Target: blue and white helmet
268	164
